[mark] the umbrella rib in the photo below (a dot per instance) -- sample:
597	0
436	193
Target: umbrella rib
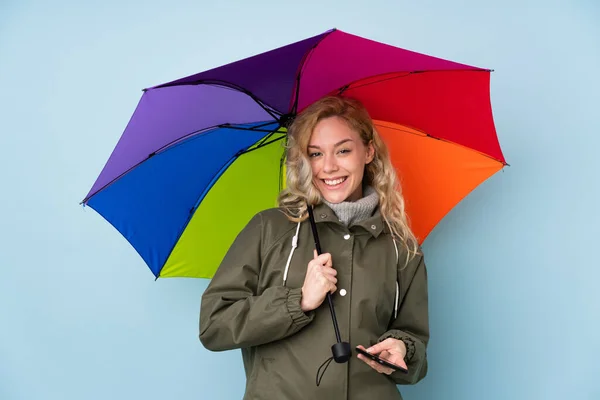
212	182
354	85
281	164
170	145
274	113
195	207
303	62
264	124
239	128
163	148
202	195
215	178
183	138
349	86
212	129
270	132
260	145
263	140
428	136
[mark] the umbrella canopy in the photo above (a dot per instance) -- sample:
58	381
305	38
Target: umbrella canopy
202	154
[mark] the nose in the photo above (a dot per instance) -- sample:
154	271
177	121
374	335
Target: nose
329	164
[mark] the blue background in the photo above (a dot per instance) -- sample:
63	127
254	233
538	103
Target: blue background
514	276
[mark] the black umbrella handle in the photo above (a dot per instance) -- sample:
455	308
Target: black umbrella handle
341	350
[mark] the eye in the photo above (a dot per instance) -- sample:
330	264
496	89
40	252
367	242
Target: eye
345	151
314	154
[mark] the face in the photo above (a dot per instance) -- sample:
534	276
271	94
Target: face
338	158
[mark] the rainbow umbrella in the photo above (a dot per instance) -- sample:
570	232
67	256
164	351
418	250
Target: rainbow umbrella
202	154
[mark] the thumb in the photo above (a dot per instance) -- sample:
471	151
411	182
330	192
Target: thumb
381	346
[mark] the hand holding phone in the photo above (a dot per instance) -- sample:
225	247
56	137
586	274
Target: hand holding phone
380	361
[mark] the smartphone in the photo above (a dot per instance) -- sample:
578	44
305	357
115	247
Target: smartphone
381	361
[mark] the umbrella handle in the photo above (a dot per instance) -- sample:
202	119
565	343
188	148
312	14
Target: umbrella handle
341	350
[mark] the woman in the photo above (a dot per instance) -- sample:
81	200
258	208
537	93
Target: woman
266	296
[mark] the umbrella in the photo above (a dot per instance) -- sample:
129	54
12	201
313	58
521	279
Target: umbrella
202	154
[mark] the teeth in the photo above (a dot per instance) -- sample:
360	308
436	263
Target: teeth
334	182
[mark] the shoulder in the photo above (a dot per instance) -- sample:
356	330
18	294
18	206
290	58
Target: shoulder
274	214
409	261
274	224
273	217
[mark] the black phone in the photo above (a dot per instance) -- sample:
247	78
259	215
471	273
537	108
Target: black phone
381	361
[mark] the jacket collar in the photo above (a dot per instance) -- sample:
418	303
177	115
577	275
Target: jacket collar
374	224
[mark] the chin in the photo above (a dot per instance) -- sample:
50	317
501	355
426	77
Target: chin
336	198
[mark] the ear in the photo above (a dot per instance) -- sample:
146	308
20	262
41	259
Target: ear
370	152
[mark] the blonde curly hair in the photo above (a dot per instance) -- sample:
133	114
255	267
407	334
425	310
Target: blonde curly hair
380	174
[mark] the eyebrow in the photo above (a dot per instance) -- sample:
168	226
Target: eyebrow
335	145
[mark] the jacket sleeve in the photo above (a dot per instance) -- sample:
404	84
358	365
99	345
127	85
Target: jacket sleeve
232	313
412	322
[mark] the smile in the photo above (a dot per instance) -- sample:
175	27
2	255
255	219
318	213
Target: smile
334	182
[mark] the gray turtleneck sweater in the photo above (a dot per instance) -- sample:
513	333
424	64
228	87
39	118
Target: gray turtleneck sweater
351	212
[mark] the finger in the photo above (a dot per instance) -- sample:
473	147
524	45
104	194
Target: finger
328	271
326	282
315	254
319	261
376	366
393	358
327	268
387	344
333	289
329	276
324	259
329	279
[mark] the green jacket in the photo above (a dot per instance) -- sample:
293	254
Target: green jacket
247	306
